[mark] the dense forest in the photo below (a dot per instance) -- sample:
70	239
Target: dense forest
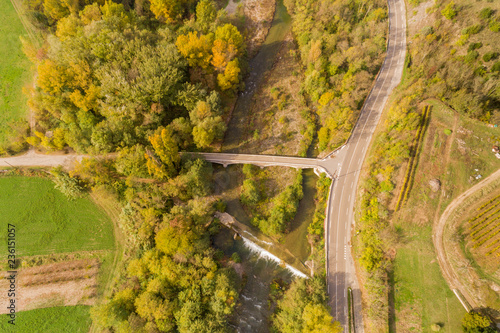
341	45
455	58
109	78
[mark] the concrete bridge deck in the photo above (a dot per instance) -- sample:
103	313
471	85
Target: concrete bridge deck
328	165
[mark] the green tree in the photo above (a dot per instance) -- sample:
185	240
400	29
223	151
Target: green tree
208	130
205	13
474	322
68	185
250	194
171	240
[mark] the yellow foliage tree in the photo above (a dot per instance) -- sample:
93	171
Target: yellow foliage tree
68	27
230	34
230	78
196	49
315	50
317	319
167	152
168	10
51	78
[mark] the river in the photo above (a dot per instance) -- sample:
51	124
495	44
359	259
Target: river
253	310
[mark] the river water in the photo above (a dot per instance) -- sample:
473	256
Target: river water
256	251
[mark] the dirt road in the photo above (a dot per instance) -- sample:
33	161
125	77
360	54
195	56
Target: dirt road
449	273
32	158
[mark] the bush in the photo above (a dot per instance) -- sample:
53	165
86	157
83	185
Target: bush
485	13
435	327
475	46
449	11
496	67
490	56
236	257
472	30
471	56
495	26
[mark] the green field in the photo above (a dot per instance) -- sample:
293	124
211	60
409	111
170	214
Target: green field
14	70
422	296
62	319
46	222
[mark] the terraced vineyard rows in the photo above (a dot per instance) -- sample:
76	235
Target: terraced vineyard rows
484	227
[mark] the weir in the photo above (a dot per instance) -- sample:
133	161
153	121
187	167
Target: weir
241	229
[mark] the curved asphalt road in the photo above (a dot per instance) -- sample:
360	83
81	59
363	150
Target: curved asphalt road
340	266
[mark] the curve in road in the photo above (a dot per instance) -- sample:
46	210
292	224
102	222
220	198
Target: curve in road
340	217
449	273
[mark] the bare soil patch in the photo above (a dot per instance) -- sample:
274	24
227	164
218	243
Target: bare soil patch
258	18
59	284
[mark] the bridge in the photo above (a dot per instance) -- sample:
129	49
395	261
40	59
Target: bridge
328	165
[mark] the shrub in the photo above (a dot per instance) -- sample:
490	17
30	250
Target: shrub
427	30
449	11
475	46
485	13
435	327
495	26
471	56
447	131
496	67
472	30
236	257
490	56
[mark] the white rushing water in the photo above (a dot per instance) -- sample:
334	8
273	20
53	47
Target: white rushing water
269	256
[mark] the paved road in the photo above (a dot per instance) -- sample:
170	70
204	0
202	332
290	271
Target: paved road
340	266
328	165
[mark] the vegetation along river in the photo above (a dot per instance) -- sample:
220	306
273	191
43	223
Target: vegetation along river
254	310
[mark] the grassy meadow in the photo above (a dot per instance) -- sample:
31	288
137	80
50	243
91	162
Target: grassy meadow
47	222
14	71
61	319
455	150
